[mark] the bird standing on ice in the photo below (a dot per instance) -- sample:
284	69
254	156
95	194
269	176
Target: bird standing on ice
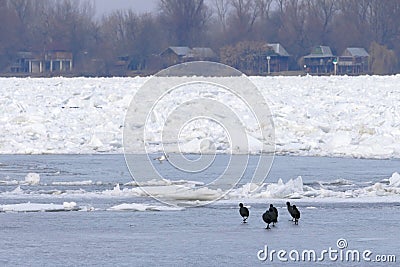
269	217
244	212
276	214
290	209
162	158
294	212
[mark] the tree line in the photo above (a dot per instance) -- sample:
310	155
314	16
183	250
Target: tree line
97	42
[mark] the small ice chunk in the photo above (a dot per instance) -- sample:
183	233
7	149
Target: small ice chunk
69	205
395	180
142	207
32	178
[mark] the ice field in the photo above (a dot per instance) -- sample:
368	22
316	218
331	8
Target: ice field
314	116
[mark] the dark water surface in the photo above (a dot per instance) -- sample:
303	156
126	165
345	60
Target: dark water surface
212	235
111	168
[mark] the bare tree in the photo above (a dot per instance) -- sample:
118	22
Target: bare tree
22	9
243	16
384	19
351	18
320	17
131	36
185	20
298	25
265	28
222	9
9	41
264	7
293	32
383	60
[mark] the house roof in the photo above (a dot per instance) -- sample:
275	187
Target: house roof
180	50
279	49
184	51
203	52
26	55
320	52
356	52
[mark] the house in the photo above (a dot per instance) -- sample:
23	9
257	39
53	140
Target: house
174	55
179	54
58	61
279	59
121	65
354	60
22	62
202	53
255	58
320	60
49	61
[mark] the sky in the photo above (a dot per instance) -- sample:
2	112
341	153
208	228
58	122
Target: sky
104	7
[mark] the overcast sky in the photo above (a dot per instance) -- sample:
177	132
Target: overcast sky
140	6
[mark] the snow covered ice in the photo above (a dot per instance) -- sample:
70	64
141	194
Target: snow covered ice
32	178
315	116
340	116
36	207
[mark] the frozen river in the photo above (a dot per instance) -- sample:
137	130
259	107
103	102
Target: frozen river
148	232
67	197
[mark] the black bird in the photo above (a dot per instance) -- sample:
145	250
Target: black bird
269	216
290	209
244	212
296	214
276	214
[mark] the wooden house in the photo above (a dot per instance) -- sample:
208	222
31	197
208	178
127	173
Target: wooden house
22	61
49	61
279	59
58	61
179	54
320	60
354	60
174	55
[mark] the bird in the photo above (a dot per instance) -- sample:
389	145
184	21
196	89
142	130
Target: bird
162	158
244	212
290	209
296	214
276	214
269	217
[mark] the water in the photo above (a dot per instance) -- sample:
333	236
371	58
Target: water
211	235
111	169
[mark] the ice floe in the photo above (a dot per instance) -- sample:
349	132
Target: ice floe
143	207
38	207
